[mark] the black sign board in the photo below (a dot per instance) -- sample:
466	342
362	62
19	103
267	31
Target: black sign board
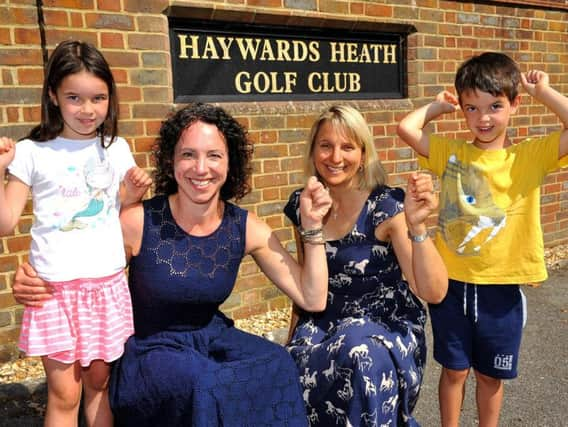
215	61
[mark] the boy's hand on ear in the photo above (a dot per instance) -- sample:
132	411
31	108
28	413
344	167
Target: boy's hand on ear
533	81
448	101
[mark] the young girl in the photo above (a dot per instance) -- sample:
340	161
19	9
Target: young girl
79	173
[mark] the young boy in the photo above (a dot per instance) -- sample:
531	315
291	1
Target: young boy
489	224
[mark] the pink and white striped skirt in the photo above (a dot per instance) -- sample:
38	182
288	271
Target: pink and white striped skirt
86	320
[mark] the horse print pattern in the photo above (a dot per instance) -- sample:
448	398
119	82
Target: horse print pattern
469	217
362	359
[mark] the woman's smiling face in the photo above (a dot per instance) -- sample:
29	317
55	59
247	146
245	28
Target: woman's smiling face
337	158
201	163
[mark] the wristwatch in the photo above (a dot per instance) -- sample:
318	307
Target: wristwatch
419	238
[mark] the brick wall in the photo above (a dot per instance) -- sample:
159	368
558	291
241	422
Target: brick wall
133	36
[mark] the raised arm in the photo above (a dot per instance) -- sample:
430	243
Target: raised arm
411	127
14	194
536	83
305	284
421	263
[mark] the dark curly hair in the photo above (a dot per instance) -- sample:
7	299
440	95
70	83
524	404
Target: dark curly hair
239	147
490	72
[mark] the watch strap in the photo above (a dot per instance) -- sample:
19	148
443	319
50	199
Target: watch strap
418	238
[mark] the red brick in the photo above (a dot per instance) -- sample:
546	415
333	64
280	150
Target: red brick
6	37
109	20
152	127
250	310
272	180
270	194
381	10
265	3
112	40
56	35
8	263
30	76
110	5
18	244
150	24
32	114
332	6
142	145
69	4
20	57
77	20
356	8
129	94
18	15
13	114
143	6
56	18
120	76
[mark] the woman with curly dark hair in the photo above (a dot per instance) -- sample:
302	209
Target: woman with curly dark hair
237	184
187	364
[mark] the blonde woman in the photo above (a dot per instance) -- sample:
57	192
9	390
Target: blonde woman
361	360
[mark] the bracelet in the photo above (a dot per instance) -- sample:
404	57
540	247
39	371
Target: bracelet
419	238
313	236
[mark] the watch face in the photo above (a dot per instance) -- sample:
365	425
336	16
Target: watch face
419	238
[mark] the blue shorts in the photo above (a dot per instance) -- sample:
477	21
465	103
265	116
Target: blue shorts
479	326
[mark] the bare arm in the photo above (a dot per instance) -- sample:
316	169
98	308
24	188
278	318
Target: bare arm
536	83
132	223
421	263
305	284
295	311
411	127
14	194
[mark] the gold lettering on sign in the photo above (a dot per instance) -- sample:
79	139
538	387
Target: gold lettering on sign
370	53
262	82
334	82
184	47
390	54
218	47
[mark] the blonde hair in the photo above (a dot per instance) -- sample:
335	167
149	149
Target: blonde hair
349	120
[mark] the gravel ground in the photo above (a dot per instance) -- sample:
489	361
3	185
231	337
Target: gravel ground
22	381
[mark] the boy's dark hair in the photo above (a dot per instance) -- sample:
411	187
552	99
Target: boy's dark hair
71	57
490	72
239	149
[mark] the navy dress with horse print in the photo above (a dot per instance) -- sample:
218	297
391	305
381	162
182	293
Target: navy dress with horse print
187	365
361	361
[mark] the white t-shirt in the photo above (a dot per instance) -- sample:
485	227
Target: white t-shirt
75	184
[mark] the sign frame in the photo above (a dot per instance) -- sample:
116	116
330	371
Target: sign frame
204	51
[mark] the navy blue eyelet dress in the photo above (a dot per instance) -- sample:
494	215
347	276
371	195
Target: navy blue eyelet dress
187	365
361	361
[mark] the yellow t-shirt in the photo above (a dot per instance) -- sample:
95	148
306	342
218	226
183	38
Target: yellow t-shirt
489	221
